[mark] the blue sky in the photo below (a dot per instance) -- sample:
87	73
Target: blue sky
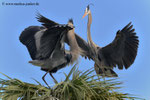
108	17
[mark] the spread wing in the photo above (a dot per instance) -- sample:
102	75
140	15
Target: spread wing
41	41
51	37
49	40
27	38
123	50
45	21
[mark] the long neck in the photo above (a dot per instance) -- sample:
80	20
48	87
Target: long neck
72	41
89	27
92	45
74	49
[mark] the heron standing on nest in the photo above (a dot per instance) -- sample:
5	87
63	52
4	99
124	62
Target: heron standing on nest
46	45
121	52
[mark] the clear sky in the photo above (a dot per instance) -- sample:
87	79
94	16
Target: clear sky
108	17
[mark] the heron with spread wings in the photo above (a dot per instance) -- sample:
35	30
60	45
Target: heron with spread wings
46	45
121	52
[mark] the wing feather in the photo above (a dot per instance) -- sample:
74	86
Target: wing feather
123	50
49	40
27	38
45	21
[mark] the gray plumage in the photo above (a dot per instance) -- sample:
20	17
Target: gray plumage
121	52
46	44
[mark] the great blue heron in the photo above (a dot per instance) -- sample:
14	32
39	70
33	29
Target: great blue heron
121	52
46	45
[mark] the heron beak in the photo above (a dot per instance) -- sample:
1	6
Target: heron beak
84	15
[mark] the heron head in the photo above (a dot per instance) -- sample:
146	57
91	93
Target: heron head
70	23
87	11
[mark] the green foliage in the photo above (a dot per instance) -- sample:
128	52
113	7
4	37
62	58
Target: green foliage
76	86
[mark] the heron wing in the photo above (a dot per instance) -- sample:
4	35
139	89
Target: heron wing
45	21
123	50
27	38
50	40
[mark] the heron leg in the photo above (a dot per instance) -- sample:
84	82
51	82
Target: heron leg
103	76
97	71
44	79
53	78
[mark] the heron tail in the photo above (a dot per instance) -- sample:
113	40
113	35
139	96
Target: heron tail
37	62
105	72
